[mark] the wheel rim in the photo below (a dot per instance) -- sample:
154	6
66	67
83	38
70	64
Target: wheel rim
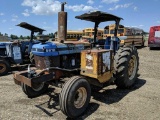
132	66
2	68
80	97
37	86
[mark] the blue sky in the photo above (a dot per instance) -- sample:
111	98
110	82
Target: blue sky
43	13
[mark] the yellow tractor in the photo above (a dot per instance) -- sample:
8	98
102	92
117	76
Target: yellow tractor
77	66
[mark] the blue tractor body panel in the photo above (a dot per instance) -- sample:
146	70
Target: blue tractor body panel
56	49
14	52
112	43
47	49
11	51
71	48
3	44
79	47
62	49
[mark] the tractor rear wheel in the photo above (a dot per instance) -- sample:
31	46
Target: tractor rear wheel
75	96
4	67
126	63
36	90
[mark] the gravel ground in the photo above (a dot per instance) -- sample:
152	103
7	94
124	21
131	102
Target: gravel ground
142	102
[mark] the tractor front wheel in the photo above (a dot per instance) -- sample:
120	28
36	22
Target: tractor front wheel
126	62
4	67
75	96
36	90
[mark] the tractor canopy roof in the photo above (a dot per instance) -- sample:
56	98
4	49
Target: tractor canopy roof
30	27
98	16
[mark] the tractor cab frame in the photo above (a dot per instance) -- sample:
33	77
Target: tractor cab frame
33	29
97	17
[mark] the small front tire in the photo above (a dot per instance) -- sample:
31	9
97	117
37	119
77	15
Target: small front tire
75	96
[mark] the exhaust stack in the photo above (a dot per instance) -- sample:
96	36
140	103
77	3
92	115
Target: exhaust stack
62	24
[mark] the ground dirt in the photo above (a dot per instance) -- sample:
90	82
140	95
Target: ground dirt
142	102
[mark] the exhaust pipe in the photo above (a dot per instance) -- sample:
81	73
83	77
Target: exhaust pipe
62	24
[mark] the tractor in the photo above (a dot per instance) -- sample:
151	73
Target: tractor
76	66
18	52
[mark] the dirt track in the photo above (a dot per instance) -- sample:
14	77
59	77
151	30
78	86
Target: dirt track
141	102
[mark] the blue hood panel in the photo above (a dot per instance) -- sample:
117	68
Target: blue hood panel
47	49
55	49
3	44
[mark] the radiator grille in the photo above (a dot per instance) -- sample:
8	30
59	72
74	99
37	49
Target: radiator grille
46	62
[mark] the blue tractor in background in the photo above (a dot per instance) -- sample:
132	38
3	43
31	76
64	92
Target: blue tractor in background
18	52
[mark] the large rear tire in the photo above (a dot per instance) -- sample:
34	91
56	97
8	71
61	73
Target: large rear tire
35	91
75	96
4	67
126	63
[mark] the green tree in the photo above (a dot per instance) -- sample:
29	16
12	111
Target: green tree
5	34
21	37
1	34
28	37
51	35
13	36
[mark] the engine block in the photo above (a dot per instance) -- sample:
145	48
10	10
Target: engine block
62	55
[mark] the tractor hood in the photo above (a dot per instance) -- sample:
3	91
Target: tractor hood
47	49
55	49
3	44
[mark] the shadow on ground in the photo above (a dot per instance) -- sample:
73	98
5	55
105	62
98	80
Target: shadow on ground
110	96
107	96
155	48
152	49
140	47
52	103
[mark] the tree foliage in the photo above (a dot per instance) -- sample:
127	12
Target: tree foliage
51	35
14	37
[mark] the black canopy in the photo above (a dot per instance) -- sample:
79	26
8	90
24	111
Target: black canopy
98	16
30	27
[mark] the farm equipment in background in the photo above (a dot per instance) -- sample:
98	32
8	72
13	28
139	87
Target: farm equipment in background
18	52
10	53
74	67
127	35
154	37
